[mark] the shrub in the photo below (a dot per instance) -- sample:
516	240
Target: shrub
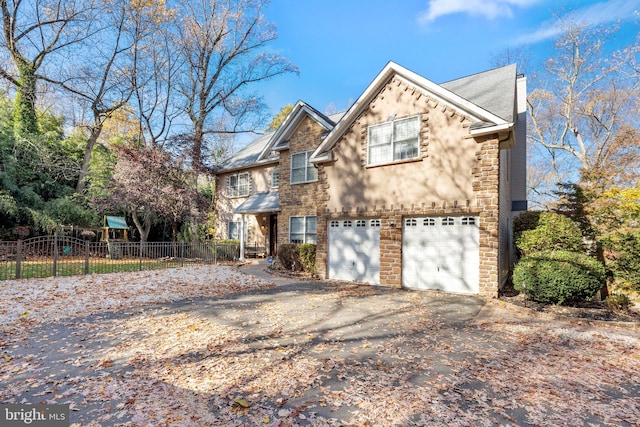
623	256
307	254
289	257
618	301
525	221
298	257
559	277
553	232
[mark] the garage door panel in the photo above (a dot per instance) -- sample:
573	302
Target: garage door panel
354	250
441	253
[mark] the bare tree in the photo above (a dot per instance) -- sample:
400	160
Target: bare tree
223	43
584	104
35	31
102	84
156	67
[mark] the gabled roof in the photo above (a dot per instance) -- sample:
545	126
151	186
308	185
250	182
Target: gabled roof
256	152
493	90
298	113
479	97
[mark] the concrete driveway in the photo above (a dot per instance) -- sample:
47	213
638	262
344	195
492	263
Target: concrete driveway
315	353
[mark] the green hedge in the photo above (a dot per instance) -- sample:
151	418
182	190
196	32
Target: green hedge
307	253
552	231
559	277
298	257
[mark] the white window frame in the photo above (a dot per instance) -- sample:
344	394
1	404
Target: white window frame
275	178
308	235
235	190
310	172
393	143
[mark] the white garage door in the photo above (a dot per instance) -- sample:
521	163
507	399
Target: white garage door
441	253
354	250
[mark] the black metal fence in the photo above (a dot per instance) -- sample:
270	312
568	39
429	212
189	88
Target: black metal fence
65	256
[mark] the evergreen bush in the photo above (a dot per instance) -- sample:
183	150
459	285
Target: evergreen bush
623	258
553	232
559	277
307	255
289	257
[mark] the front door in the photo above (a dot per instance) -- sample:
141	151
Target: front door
273	235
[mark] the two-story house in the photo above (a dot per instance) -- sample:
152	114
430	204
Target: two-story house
416	185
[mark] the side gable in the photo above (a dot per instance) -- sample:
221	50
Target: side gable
483	121
299	112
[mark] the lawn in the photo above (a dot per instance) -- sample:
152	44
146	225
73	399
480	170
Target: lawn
68	266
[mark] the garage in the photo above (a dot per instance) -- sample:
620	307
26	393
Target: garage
441	253
354	250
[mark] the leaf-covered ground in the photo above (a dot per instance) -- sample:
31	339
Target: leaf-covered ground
209	346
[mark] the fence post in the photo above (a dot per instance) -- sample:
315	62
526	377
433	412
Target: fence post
140	256
55	254
18	258
86	257
215	253
181	254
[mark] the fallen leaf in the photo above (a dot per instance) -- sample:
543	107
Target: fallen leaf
240	401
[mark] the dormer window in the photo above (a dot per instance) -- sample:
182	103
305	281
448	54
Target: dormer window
394	141
301	169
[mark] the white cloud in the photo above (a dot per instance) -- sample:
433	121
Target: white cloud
490	9
596	14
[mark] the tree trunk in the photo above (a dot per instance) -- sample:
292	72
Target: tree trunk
25	120
84	169
144	226
196	151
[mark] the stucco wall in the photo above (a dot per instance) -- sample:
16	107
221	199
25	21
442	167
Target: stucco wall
260	181
441	174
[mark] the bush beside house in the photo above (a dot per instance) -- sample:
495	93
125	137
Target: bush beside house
298	257
559	277
554	268
543	231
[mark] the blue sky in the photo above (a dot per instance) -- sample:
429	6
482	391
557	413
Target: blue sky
341	45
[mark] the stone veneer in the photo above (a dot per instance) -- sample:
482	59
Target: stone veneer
485	185
298	199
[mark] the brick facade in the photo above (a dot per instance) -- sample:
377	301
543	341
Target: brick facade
300	199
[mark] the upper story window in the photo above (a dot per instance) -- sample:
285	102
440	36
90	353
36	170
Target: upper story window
275	178
238	185
393	141
301	169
